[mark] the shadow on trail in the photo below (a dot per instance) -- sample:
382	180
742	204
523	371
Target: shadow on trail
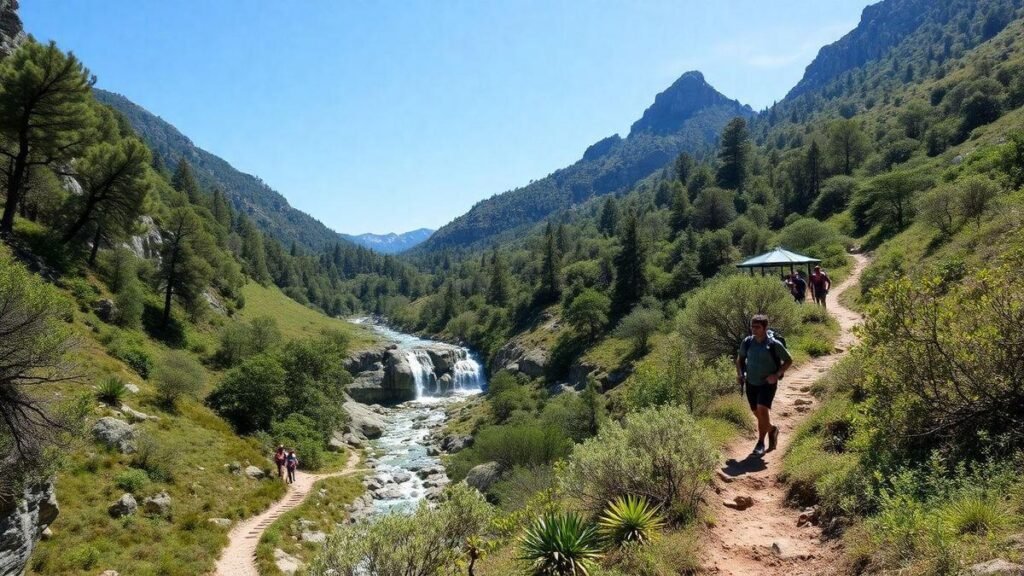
748	465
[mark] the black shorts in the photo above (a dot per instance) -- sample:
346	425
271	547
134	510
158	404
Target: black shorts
761	395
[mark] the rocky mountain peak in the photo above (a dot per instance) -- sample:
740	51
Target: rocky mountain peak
12	32
681	101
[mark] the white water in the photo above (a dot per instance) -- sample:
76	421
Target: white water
403	446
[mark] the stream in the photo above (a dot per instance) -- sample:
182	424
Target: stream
407	468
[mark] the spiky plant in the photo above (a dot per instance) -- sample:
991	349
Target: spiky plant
629	519
111	390
560	544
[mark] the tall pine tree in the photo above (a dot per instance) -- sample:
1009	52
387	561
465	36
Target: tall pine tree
735	154
630	274
550	286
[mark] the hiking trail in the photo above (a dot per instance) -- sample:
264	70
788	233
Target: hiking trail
239	558
764	539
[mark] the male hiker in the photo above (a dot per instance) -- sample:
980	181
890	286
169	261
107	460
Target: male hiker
799	288
763	360
820	285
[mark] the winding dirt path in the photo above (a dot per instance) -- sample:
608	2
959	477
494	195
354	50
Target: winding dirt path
764	539
239	558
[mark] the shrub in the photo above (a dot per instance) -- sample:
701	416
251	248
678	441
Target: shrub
111	390
252	395
527	444
638	326
578	415
428	541
521	483
588	312
157	459
660	453
560	544
177	375
975	514
673	375
130	303
300	432
835	195
717	317
132	352
131	481
629	519
508	396
733	409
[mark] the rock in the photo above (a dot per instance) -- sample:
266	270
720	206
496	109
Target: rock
483	476
146	246
110	573
353	441
105	309
135	415
444	384
337	442
115	433
433	493
996	567
363	360
46	534
235	468
254	472
159	504
214	302
808	516
801	402
131	388
363	422
957	160
453	444
401	477
739	503
314	537
221	522
25	519
285	562
125	506
529	361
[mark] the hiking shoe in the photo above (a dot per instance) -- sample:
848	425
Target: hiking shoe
773	438
758	450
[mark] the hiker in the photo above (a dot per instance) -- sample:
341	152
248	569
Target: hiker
820	285
279	458
291	463
799	286
761	362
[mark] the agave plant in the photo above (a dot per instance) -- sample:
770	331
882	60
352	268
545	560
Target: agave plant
560	544
111	390
630	519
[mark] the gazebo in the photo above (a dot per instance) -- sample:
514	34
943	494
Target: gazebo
779	258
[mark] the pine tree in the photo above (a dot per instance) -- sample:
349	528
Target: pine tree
184	181
630	274
735	154
46	116
609	221
846	146
550	287
813	171
683	167
184	271
681	210
498	290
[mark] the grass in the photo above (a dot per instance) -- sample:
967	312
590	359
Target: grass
295	320
322	511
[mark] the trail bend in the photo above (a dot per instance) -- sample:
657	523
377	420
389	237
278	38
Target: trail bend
764	540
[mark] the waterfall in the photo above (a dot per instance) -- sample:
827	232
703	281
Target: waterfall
422	371
467	374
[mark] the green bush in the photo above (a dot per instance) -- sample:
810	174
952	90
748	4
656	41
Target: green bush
111	390
629	519
131	351
130	303
732	408
518	485
131	480
661	453
252	395
675	375
717	317
639	326
508	396
300	433
157	459
527	444
178	375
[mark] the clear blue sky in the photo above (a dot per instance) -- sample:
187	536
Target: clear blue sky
390	116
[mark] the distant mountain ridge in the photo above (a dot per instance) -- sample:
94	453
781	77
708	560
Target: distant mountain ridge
247	193
390	243
686	117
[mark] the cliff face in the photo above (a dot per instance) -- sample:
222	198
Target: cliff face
22	523
11	31
686	97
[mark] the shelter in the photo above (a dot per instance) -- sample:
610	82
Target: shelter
779	258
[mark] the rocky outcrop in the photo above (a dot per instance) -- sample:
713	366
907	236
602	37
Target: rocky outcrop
158	504
515	357
483	476
388	382
125	506
116	434
363	422
368	359
11	31
680	102
146	245
22	523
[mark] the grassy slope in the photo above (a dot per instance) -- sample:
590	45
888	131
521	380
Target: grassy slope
193	444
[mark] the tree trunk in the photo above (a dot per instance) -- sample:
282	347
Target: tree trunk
95	245
14	185
170	290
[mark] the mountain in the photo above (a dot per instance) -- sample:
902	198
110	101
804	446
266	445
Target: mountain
687	117
269	209
390	243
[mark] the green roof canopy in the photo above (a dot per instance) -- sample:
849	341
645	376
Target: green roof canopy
778	257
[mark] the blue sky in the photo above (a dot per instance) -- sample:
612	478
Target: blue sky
390	116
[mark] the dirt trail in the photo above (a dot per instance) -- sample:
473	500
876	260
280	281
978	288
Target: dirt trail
764	539
239	558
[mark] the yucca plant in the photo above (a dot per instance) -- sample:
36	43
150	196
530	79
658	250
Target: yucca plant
976	515
629	519
560	544
111	390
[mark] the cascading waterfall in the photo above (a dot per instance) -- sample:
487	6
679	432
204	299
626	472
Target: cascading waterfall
467	374
422	371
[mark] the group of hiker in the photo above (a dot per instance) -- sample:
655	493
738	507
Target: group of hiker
286	461
819	283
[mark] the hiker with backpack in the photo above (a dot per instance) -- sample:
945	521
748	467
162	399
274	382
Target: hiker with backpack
291	463
761	362
799	287
279	460
820	285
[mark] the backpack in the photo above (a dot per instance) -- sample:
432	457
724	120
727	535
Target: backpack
774	337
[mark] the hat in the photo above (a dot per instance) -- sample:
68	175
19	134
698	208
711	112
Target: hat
817	267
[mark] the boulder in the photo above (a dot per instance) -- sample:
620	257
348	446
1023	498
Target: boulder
105	309
146	246
444	358
23	521
739	503
316	537
363	360
159	504
131	388
115	433
483	476
996	567
254	472
363	422
135	415
125	506
221	522
453	444
444	384
514	357
285	562
401	477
